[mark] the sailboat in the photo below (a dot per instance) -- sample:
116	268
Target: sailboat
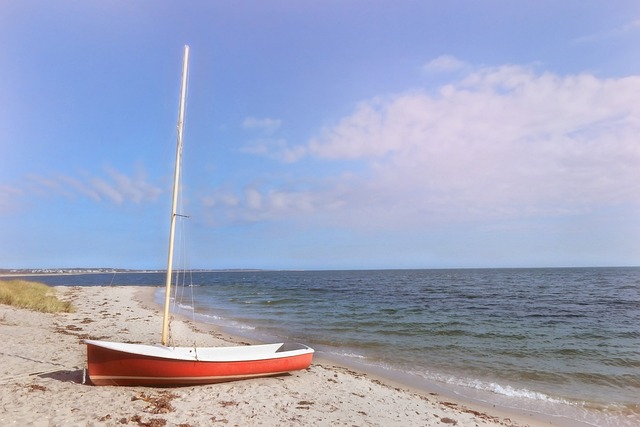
162	365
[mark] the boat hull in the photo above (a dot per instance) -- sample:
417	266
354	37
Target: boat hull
137	365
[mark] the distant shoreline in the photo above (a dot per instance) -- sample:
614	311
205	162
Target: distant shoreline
18	272
74	272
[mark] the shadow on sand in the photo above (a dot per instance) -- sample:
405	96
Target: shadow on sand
77	376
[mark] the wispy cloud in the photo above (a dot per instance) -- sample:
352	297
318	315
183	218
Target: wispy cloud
266	125
620	31
114	186
135	188
503	142
9	198
262	203
267	144
46	186
444	63
79	187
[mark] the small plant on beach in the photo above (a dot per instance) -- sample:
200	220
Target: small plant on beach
33	296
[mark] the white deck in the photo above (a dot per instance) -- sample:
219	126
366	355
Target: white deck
206	354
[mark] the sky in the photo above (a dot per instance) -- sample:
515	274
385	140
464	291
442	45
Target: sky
321	134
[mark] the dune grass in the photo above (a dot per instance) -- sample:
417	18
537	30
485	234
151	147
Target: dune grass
33	296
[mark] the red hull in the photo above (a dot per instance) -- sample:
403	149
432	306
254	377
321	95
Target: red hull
113	367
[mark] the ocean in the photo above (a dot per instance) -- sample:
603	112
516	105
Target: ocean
564	342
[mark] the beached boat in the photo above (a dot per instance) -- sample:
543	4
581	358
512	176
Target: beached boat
113	363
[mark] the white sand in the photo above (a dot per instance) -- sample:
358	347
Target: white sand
41	379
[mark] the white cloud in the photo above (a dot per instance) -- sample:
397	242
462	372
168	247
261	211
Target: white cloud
115	187
266	125
443	64
504	142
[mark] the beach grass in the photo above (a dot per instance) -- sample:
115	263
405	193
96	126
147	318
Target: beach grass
32	296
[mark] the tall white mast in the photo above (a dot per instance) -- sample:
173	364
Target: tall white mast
176	182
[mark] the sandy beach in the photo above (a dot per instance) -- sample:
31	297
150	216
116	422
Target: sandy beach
42	378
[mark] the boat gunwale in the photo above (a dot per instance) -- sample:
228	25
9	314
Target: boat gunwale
206	354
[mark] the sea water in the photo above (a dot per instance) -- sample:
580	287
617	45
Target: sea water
560	342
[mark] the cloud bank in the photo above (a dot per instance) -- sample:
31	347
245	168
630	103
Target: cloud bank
501	143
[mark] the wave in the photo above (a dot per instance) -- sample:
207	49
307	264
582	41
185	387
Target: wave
344	354
510	391
210	316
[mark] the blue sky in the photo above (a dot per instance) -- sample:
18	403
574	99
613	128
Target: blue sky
321	134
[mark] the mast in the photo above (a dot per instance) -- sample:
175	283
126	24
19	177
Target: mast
174	206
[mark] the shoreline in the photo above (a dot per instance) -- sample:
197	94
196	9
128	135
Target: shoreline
442	391
44	358
146	297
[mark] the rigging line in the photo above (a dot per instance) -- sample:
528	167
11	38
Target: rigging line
6	379
180	248
187	282
179	288
182	260
186	268
176	273
112	278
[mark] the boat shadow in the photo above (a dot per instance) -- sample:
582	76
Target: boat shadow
74	376
78	376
